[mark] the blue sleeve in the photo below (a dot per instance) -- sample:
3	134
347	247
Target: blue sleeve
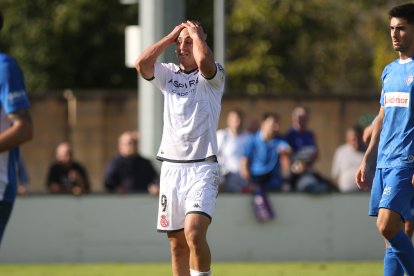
384	75
248	147
13	94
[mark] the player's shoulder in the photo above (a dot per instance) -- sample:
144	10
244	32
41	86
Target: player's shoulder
220	67
396	64
6	61
168	66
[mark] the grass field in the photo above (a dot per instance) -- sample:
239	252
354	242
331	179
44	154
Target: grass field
218	269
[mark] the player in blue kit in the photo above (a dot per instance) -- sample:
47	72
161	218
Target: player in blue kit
389	160
15	129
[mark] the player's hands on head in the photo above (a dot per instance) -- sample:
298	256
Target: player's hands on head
194	29
173	35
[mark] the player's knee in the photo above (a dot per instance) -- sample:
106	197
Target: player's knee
178	247
386	229
194	237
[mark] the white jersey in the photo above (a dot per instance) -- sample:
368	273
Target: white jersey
231	149
345	163
192	106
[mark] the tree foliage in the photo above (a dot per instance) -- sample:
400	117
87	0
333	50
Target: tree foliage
279	47
69	44
273	47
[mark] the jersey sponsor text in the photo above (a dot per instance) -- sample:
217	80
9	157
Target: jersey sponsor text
399	99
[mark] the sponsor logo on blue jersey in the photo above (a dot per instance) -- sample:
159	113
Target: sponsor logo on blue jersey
15	96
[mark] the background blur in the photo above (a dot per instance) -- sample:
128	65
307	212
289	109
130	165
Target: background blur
325	54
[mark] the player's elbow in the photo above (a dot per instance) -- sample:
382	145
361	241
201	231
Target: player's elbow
30	134
25	131
208	69
139	65
144	68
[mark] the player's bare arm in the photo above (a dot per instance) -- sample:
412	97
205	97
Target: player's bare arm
244	168
366	170
145	62
20	132
202	53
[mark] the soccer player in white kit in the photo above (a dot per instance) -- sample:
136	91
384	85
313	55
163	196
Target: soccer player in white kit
189	176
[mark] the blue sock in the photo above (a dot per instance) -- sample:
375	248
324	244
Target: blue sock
404	250
392	266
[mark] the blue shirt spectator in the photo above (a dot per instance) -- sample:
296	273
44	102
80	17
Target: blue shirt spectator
266	156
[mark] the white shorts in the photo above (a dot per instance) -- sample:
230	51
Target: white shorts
186	188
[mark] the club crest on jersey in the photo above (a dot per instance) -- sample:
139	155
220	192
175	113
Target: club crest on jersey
409	79
164	221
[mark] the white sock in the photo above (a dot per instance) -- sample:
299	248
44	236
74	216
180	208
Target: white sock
198	273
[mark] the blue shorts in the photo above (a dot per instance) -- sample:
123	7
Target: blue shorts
392	189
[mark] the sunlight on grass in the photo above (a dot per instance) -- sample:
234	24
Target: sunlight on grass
219	269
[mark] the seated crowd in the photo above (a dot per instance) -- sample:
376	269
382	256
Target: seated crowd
251	154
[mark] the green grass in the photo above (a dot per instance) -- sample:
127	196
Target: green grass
218	269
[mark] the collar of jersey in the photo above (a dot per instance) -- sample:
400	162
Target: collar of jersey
404	61
187	72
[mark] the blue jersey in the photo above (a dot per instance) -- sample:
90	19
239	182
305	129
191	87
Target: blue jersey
13	98
263	155
396	145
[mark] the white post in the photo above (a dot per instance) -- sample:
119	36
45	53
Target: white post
219	31
156	19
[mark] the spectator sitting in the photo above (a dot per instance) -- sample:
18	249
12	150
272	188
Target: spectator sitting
347	159
304	177
300	138
128	171
266	160
231	141
65	174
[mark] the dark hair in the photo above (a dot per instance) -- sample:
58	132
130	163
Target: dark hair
273	115
357	129
198	23
405	11
1	20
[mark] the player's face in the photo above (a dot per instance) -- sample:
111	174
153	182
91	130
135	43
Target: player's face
402	36
184	51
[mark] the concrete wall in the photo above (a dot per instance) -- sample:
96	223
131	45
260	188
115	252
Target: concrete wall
104	228
103	115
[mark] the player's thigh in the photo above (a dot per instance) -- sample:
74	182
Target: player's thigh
389	222
393	190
